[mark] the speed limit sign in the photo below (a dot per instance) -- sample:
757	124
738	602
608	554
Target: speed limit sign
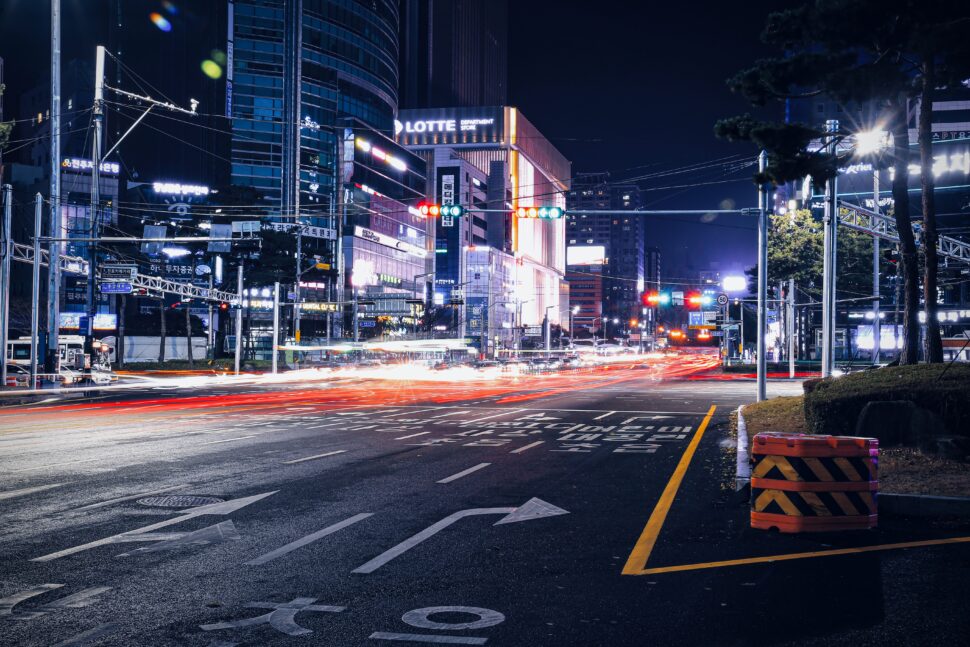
722	299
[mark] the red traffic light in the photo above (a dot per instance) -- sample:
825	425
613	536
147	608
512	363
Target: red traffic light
651	298
429	210
695	300
223	307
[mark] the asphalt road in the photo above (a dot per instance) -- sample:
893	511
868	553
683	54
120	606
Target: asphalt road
396	512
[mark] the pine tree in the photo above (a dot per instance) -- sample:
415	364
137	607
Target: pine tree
886	53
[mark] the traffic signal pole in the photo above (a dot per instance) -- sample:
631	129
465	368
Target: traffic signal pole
762	279
95	209
5	279
830	220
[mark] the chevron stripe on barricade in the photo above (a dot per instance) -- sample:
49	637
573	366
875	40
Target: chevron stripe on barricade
802	483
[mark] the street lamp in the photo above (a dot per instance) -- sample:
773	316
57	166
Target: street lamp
872	141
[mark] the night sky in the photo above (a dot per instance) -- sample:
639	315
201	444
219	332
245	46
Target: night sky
629	88
635	89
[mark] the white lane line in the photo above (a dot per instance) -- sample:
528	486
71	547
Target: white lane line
28	490
455	477
329	424
41	467
605	415
229	440
486	408
428	638
310	458
497	415
130	497
416	412
529	446
445	415
312	537
413	435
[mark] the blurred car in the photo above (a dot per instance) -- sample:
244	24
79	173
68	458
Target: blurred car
101	378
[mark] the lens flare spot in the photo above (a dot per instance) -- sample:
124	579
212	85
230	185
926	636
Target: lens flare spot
160	21
169	7
218	56
211	69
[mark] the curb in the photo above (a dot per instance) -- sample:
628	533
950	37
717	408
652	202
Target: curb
742	474
914	505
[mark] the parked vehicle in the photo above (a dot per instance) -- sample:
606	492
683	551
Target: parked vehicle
19	376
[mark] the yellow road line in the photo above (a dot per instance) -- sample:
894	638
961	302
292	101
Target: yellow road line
791	556
637	560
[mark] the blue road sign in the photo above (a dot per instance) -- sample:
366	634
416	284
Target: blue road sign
116	288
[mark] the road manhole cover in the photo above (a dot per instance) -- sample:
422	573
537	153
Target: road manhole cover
178	501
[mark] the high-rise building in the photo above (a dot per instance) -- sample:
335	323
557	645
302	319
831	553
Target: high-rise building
454	53
297	68
606	263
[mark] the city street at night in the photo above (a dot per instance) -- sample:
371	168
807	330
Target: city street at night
531	323
169	516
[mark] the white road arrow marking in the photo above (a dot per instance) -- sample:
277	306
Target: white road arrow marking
221	508
531	509
217	534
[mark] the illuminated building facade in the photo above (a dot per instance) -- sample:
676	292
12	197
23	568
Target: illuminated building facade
515	166
387	245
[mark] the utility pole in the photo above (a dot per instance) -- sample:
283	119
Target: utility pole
876	324
276	326
210	341
830	223
792	346
762	279
5	278
239	294
53	268
95	210
35	289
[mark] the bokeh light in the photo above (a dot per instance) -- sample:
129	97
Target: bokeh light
218	56
211	69
169	7
160	21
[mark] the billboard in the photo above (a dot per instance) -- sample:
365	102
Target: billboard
456	126
586	255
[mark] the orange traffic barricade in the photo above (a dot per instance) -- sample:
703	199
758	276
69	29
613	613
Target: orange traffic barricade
803	483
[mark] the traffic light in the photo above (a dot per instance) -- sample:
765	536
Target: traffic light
656	298
223	307
549	213
434	210
697	300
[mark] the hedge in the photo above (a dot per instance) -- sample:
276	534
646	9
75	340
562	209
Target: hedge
833	405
